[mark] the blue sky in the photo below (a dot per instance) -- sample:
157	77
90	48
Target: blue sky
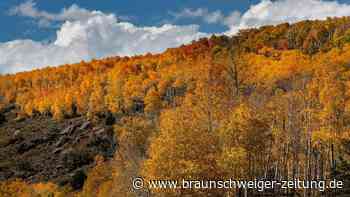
40	33
142	13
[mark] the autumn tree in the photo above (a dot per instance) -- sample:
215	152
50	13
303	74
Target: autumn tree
184	149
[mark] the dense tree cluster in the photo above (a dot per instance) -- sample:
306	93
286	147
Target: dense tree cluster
268	103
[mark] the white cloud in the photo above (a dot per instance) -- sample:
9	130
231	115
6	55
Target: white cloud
85	34
269	12
73	13
21	55
88	34
208	17
232	19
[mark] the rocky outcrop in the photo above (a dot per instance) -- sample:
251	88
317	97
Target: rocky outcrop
42	149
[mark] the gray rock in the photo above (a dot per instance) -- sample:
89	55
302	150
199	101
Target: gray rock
57	150
69	130
66	130
100	131
85	125
16	133
61	141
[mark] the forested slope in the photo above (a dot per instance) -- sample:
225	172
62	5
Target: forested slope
267	103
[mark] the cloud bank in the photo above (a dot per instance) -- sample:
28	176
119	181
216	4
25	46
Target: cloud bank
269	12
86	34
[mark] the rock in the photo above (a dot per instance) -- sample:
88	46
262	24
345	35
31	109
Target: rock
67	151
24	147
96	129
70	129
61	141
53	150
76	158
13	140
100	131
20	119
67	130
39	140
77	140
85	125
16	133
57	150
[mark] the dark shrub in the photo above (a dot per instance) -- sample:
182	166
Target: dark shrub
78	180
2	118
76	159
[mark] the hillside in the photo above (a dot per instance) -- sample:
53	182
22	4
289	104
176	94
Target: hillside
44	150
268	103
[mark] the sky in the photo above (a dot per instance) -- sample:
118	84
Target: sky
40	33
